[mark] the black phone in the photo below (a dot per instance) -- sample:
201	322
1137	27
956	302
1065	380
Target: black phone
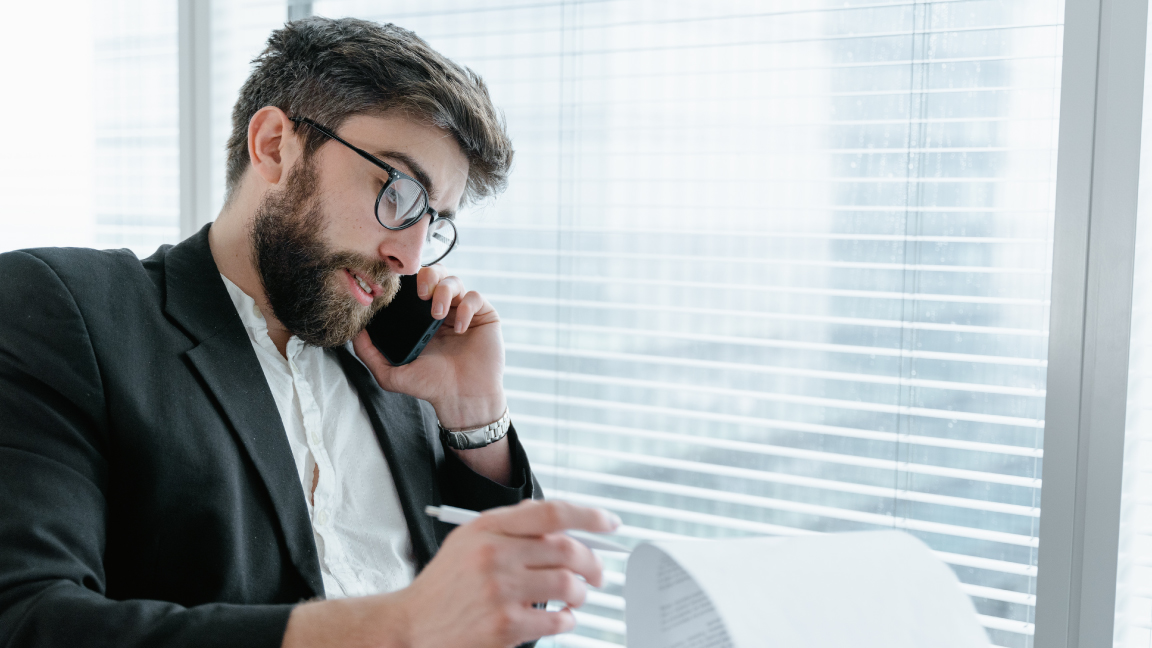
402	328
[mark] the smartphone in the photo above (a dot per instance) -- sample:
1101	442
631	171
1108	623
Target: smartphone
401	329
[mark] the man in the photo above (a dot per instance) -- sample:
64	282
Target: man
203	448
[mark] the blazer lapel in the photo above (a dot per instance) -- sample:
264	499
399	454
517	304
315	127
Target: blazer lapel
399	424
198	301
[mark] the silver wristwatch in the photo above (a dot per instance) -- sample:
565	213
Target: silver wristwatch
476	437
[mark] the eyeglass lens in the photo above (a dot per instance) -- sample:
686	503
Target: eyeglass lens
439	240
403	201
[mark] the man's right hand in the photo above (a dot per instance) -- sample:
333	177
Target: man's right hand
479	588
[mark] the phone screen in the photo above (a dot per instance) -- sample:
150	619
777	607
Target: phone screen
401	329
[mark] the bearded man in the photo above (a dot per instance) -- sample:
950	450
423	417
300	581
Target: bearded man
204	448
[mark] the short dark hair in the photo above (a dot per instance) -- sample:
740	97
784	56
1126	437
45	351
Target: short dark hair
330	70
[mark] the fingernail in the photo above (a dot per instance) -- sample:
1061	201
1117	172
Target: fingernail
614	519
459	327
422	289
438	311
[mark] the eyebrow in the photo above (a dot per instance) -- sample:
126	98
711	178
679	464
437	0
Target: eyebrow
417	171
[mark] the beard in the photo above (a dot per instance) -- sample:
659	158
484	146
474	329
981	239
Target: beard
303	279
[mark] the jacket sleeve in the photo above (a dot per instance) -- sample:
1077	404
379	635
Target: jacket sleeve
464	488
53	484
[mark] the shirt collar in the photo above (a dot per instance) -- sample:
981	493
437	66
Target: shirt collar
255	323
246	307
257	326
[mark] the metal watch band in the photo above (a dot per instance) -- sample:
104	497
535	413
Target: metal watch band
476	437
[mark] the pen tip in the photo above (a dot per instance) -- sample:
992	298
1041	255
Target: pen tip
434	511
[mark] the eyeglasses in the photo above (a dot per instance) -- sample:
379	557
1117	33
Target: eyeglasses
402	202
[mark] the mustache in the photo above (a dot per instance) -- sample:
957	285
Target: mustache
374	270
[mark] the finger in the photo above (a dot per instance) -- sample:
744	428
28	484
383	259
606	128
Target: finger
467	307
362	345
557	550
377	364
538	517
533	623
443	294
551	585
427	278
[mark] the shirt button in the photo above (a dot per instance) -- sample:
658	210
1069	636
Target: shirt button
322	517
315	439
256	311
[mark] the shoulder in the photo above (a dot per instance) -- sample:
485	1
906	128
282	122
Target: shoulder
83	265
81	275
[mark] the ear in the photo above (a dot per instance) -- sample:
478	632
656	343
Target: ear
272	144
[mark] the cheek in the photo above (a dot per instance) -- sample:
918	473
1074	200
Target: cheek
350	215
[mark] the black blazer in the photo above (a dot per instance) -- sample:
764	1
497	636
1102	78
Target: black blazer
148	495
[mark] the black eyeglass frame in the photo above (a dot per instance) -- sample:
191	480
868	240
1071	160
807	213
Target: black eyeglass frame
394	174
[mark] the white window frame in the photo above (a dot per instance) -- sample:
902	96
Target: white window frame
194	29
1098	169
1101	108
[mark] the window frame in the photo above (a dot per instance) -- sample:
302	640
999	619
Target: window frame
1097	177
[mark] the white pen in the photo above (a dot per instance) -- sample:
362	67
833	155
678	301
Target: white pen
453	515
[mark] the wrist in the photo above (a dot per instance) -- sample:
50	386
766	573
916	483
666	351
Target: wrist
364	621
468	413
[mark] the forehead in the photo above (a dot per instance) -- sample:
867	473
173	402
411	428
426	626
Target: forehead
393	137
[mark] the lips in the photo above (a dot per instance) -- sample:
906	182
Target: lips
364	290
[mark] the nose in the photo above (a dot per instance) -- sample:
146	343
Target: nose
402	248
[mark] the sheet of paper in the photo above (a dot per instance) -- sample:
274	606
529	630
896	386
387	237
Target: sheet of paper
880	589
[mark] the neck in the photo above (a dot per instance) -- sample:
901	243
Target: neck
231	244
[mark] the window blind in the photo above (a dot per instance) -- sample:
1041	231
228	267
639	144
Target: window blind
137	138
239	32
774	268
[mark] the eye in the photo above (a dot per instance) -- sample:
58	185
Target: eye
390	195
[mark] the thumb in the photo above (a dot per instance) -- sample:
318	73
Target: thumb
381	369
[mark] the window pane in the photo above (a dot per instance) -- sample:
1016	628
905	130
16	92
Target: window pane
240	29
92	126
137	172
775	268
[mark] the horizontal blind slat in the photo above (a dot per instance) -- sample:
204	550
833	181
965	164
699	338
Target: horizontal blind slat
598	622
695	363
792	263
757	288
940	471
833	236
782	344
455	10
747	446
768	529
598	598
785	478
877	519
765	476
833	403
580	641
730	44
500	298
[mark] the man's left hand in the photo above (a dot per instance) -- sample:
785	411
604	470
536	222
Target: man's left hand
461	371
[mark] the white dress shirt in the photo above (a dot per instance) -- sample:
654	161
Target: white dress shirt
361	535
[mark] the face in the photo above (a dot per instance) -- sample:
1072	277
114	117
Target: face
327	265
